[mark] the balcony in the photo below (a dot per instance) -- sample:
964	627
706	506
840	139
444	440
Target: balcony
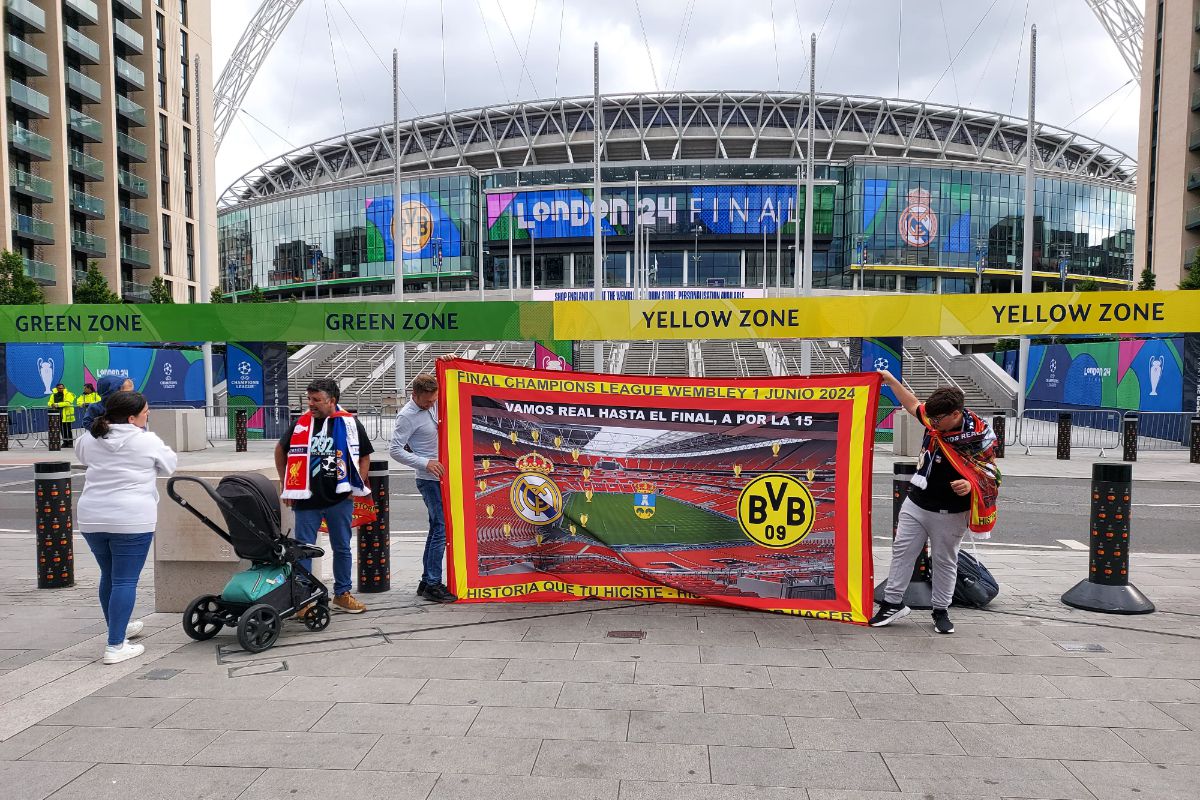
31	185
91	168
136	257
129	146
131	110
87	204
132	6
28	13
89	243
40	271
30	143
135	221
85	126
83	86
29	99
127	35
33	229
1193	182
132	183
85	48
85	8
24	53
130	74
134	292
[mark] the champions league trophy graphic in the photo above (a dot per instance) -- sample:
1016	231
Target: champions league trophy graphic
46	370
1156	369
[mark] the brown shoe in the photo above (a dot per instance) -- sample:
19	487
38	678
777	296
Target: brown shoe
346	602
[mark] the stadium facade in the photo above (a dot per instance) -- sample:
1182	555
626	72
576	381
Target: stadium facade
909	196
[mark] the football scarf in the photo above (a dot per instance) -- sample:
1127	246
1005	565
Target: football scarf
297	475
971	452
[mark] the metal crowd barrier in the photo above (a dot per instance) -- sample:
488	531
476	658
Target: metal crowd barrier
1163	430
1091	429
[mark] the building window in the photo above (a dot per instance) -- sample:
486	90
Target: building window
184	83
183	12
191	251
166	244
162	61
191	294
187	171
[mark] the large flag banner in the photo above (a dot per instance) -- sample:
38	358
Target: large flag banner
753	492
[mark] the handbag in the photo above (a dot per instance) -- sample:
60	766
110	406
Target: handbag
975	585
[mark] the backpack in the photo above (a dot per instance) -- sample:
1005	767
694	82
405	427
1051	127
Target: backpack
975	586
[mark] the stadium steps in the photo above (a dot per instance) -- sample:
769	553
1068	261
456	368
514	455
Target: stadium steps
732	359
828	358
922	376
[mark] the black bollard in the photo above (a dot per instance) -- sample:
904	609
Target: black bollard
239	430
375	538
1107	588
1129	436
1195	457
920	587
998	423
52	518
1064	436
54	431
3	430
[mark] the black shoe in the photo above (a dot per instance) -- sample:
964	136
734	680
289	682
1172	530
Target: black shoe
438	593
941	621
887	614
421	587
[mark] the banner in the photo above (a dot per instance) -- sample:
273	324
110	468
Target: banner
166	376
1133	374
884	353
256	380
753	493
1191	373
428	229
694	293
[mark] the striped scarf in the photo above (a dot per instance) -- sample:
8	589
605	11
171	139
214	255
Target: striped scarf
972	453
296	479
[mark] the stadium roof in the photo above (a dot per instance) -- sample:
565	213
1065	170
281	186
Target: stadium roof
673	126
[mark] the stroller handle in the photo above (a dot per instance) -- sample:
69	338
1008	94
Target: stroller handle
221	502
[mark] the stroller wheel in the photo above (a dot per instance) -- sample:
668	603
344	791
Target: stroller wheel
317	618
200	620
258	628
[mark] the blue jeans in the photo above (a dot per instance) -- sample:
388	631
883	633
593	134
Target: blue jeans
337	517
435	543
121	557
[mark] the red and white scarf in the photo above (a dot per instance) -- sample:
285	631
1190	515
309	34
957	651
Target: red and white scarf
297	474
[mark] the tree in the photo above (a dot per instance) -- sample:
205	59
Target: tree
17	288
1146	283
94	287
256	295
215	296
1087	285
1192	279
160	291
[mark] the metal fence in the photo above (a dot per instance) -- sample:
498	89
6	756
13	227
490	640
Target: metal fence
1091	429
1164	430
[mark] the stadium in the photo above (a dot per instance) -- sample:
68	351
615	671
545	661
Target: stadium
909	196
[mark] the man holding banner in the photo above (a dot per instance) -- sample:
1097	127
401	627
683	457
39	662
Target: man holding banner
953	489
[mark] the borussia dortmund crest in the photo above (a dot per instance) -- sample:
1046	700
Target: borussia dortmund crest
645	494
534	496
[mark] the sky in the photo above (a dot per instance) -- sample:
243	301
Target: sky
330	70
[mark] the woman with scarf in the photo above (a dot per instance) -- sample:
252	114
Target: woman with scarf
954	489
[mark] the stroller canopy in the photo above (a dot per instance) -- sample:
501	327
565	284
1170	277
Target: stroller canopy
254	525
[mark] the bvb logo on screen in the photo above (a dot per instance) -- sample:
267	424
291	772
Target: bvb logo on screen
776	510
535	497
416	226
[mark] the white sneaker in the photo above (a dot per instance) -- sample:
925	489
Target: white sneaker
122	652
134	629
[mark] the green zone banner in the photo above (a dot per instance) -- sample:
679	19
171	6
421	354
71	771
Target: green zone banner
753	493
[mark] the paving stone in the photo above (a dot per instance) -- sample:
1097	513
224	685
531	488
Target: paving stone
117	712
248	715
958	645
453	754
872	736
28	740
1147	668
702	637
613	651
631	697
444	720
288	784
777	702
669	674
207	685
477	787
983	685
1103	713
126	781
1003	777
930	708
331	665
490	632
536	650
286	749
656	790
1164	747
370	689
921	662
748	730
1163	690
582	724
1027	665
1188	714
522	669
542	694
642	622
840	794
623	761
124	746
1042	741
36	780
1137	781
25	679
799	768
464	668
767	656
839	680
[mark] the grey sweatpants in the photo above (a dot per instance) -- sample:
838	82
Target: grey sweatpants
944	532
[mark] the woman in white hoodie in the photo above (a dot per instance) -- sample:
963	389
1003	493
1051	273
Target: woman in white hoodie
118	509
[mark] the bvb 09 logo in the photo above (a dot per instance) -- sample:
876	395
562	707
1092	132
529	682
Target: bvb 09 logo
535	497
416	226
776	510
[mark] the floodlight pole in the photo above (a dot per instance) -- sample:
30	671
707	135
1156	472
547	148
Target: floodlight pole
205	259
597	255
1028	232
806	279
397	226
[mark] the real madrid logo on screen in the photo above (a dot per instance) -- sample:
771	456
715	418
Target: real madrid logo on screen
918	223
645	494
535	497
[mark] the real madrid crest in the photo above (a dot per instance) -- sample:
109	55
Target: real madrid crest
534	496
918	223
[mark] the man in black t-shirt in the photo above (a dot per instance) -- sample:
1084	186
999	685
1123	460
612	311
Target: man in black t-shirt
329	466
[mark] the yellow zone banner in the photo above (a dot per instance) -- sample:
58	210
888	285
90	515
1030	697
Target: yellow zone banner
842	315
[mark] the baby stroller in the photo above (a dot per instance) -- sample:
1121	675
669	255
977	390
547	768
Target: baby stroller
256	601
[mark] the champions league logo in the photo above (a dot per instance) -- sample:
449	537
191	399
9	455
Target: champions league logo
535	497
918	223
167	381
1052	378
46	373
1156	371
882	363
243	381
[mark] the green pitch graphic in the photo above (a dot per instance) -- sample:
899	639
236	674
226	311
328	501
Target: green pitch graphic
611	520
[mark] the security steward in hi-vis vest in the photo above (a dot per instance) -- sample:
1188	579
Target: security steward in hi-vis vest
64	401
89	396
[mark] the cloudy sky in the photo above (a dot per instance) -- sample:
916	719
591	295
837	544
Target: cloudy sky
330	70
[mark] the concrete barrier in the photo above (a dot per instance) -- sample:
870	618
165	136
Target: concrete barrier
182	429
